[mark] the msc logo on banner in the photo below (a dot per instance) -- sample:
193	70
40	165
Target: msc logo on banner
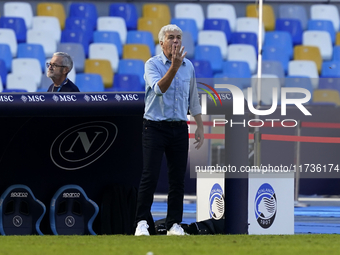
81	145
216	202
265	205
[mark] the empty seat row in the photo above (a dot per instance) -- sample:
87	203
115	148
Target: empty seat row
27	74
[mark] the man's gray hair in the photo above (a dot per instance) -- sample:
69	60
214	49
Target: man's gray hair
168	28
67	60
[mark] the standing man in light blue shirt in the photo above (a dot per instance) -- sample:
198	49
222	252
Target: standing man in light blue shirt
170	91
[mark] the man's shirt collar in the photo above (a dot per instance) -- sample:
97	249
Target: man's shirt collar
165	59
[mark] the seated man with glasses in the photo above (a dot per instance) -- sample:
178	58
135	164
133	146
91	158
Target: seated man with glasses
61	64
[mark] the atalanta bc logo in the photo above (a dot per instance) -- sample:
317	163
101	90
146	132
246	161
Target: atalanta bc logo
216	202
265	205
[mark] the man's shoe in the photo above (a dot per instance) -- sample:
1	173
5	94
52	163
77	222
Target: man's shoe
142	229
176	230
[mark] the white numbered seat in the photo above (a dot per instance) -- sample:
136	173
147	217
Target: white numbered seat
245	24
190	11
116	24
21	10
28	66
21	81
304	68
321	39
268	82
105	51
215	38
243	52
7	36
45	38
326	12
222	11
50	24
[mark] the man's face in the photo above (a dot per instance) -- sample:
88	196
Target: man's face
171	38
56	69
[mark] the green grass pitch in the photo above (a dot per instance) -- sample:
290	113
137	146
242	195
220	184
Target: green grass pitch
163	245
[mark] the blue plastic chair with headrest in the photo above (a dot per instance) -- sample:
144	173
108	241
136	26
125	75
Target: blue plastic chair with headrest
72	212
21	213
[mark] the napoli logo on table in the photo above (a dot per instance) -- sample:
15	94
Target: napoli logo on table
216	202
265	205
82	144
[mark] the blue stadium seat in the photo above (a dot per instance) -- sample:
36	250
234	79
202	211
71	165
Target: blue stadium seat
330	69
141	37
293	26
211	54
83	24
87	82
222	78
273	67
273	53
29	50
294	11
3	72
76	51
72	212
218	24
76	36
329	83
336	53
279	39
188	25
18	90
244	38
108	37
236	69
323	25
17	24
127	82
202	68
84	10
127	11
132	66
6	55
299	82
20	212
234	72
189	44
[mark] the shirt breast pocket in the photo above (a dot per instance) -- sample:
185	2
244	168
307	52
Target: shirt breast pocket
186	88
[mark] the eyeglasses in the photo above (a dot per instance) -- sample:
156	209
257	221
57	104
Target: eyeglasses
53	65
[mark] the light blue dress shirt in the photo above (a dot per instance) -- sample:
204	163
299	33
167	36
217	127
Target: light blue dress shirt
182	94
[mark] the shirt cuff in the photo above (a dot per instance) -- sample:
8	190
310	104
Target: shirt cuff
196	110
157	90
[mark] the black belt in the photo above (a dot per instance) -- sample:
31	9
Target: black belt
166	123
